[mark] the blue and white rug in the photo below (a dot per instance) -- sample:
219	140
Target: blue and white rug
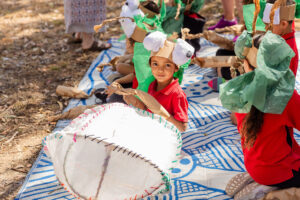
211	151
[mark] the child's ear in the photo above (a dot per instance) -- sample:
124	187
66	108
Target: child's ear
176	68
284	24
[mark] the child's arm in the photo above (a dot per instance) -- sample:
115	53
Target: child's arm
182	126
130	99
125	79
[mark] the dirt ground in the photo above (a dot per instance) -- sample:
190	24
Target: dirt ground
34	58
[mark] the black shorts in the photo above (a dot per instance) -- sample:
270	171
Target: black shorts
225	71
293	182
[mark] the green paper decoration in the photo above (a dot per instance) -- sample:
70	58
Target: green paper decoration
248	13
269	87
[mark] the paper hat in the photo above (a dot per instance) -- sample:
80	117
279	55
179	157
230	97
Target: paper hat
131	30
179	53
130	159
131	8
286	12
150	14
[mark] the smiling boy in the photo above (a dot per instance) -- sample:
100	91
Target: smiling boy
165	59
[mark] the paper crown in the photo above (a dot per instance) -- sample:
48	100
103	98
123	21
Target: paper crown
284	12
179	53
131	159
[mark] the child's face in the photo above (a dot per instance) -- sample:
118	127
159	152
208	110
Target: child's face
162	69
281	28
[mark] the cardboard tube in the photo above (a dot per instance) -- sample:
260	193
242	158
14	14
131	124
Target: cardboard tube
216	61
71	114
150	102
218	40
71	92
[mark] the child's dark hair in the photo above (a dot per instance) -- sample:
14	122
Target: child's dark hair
150	5
131	41
254	120
288	2
246	2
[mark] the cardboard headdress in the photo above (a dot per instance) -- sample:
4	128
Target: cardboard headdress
131	9
130	160
131	30
281	12
179	53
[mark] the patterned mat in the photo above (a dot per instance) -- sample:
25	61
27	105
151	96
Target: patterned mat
211	151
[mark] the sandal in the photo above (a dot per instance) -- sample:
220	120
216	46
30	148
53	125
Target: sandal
74	40
99	45
100	94
237	183
253	191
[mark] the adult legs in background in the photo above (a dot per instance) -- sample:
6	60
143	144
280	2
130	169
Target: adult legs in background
228	10
228	18
90	43
81	16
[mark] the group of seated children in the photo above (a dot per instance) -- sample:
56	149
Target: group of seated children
263	99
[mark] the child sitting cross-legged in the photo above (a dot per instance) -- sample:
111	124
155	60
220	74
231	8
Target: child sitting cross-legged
267	109
165	59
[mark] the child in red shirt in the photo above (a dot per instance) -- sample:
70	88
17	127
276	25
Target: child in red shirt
283	26
165	60
267	109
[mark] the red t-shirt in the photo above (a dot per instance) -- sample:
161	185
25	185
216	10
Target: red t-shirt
291	41
172	98
275	153
135	83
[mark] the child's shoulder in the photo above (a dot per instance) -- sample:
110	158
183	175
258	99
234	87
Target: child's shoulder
177	90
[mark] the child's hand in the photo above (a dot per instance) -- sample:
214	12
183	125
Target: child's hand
112	88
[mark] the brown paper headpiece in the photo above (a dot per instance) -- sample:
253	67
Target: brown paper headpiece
166	51
139	34
287	12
